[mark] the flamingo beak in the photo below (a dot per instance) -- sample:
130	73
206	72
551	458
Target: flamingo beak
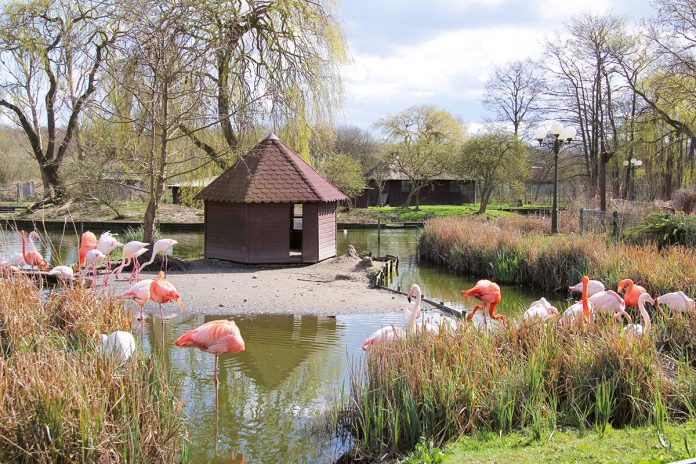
408	298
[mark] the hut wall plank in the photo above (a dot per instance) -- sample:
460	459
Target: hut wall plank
225	231
327	230
310	233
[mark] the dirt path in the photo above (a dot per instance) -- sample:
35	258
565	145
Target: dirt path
335	286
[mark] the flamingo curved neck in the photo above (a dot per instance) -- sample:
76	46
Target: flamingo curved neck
644	314
585	304
24	246
414	312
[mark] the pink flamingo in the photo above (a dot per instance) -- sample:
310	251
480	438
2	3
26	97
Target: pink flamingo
609	302
140	293
389	333
64	274
131	251
162	292
676	302
632	292
489	294
161	246
91	258
583	307
217	337
539	310
88	241
593	287
638	330
106	244
33	257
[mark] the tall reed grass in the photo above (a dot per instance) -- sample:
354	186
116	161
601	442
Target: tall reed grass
63	402
517	252
533	377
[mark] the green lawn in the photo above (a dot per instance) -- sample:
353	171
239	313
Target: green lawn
630	445
400	214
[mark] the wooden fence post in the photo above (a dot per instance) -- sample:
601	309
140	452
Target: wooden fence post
582	220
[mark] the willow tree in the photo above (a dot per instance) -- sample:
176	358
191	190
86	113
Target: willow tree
51	56
421	143
274	63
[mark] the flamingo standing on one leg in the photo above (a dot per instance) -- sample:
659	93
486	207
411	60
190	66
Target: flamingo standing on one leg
489	294
637	329
161	246
106	244
33	257
677	302
140	293
217	337
131	251
91	258
632	292
162	292
390	332
583	307
593	287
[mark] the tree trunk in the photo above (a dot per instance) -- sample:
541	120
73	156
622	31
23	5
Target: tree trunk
485	198
603	181
49	174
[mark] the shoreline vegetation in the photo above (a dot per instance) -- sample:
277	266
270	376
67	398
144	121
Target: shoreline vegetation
63	401
517	251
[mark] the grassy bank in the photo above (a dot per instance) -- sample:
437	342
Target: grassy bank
388	214
516	251
534	378
62	401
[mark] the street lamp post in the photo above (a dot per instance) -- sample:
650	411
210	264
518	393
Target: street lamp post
555	137
632	165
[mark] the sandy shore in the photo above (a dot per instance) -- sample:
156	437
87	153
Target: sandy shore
335	286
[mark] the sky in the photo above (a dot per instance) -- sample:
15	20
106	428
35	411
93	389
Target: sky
409	52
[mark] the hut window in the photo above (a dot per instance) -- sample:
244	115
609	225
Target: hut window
297	217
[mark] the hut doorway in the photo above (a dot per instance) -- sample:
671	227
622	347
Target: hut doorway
296	228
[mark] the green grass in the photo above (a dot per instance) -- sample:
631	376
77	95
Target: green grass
629	445
400	214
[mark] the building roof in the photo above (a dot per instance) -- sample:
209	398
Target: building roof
392	173
271	173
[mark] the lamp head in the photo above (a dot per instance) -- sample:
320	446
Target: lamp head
540	134
556	128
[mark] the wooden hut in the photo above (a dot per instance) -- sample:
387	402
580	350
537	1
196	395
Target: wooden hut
270	207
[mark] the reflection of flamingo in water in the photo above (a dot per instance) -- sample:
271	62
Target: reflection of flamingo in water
489	293
217	337
161	246
388	333
131	251
32	257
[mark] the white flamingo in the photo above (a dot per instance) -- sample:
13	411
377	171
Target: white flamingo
131	251
610	303
119	344
638	330
91	259
390	332
106	244
64	274
677	302
161	246
540	309
593	287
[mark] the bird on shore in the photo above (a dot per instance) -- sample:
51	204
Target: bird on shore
131	252
610	303
390	332
632	292
216	337
140	293
582	308
593	287
119	344
162	292
106	244
91	259
32	257
88	241
160	246
64	274
539	310
637	329
677	302
489	294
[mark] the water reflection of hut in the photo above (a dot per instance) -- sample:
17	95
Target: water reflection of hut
270	207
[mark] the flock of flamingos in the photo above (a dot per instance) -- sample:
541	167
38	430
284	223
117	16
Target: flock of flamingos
223	336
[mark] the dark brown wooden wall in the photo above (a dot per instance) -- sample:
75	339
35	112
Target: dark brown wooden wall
268	232
225	231
310	233
327	230
437	193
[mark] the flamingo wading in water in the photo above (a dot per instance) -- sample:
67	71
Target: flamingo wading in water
91	258
32	257
140	293
217	337
388	333
489	294
160	246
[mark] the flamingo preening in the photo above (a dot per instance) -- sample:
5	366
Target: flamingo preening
32	257
119	344
217	337
489	294
637	329
632	292
88	241
540	310
160	246
106	244
593	287
162	292
610	303
131	251
63	273
140	293
388	333
677	302
583	307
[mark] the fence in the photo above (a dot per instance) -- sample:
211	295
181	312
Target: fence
18	191
664	228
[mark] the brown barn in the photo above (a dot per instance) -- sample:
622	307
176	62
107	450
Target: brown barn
270	207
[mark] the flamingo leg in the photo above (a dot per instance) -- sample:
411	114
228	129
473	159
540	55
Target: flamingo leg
494	316
470	316
215	379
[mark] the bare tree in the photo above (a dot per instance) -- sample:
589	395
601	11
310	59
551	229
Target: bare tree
42	43
513	93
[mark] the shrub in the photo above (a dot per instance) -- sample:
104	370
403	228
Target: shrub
684	200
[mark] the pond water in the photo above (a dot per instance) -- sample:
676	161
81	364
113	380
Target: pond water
274	396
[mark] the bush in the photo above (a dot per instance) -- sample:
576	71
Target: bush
684	200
